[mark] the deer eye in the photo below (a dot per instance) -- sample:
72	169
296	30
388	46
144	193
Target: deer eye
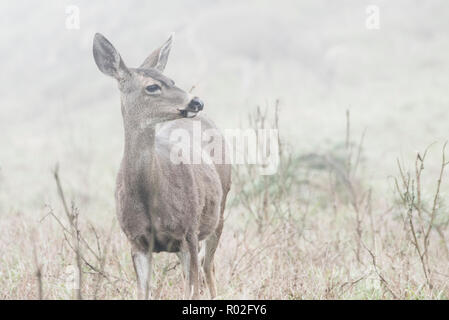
152	89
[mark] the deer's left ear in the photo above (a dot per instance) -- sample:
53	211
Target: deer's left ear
158	58
108	59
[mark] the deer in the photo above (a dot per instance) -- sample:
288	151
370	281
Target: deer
163	206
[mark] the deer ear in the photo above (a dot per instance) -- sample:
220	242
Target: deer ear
108	59
158	58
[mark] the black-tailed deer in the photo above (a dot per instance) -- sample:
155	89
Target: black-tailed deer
163	206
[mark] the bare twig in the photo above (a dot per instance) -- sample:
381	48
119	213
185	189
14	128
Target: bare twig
72	217
379	274
421	226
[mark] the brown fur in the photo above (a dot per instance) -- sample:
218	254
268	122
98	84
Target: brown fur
163	206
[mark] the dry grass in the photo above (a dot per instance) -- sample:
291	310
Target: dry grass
315	230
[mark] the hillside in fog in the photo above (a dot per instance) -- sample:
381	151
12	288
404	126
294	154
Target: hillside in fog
317	58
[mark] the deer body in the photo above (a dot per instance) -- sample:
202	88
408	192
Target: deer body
163	206
169	196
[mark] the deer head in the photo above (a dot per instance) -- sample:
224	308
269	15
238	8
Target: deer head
148	96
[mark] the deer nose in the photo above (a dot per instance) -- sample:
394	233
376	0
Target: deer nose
196	104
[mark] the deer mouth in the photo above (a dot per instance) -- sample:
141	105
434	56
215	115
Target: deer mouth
188	113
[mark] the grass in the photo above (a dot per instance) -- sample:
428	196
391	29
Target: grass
315	230
310	231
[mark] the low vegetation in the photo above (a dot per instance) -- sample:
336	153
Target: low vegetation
315	230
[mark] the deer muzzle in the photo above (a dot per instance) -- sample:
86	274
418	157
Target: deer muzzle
194	106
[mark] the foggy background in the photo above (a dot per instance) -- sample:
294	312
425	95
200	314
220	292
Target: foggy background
317	57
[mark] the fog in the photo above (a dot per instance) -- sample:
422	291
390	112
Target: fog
318	58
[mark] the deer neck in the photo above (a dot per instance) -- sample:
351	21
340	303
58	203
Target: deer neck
140	135
139	141
139	152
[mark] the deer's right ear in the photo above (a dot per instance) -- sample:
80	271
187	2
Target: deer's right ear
108	59
158	58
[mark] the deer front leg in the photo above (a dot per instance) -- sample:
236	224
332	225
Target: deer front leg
184	258
208	266
143	267
192	245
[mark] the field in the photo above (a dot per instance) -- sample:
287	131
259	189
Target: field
357	208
